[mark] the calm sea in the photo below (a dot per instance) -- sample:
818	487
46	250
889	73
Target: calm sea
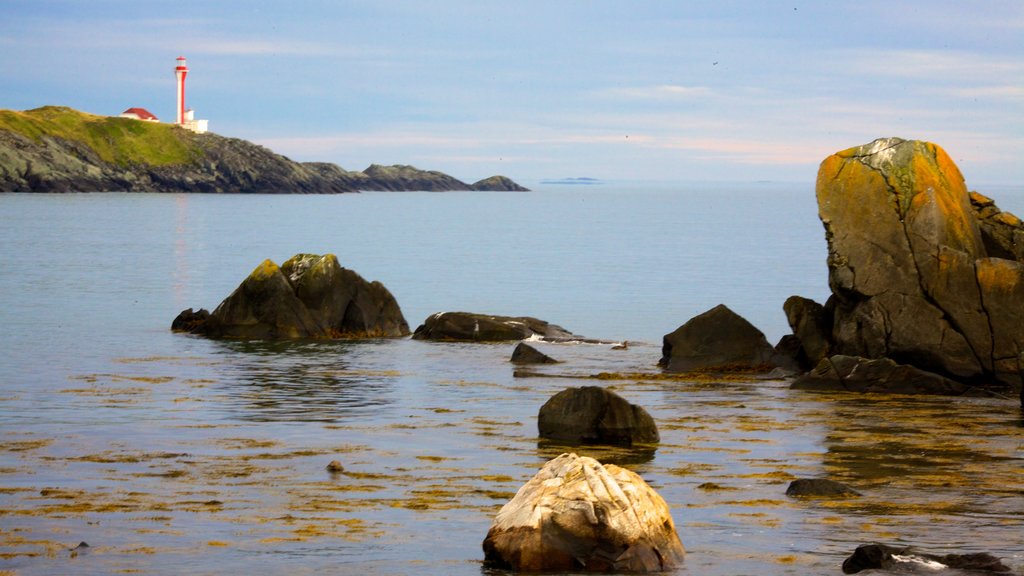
167	453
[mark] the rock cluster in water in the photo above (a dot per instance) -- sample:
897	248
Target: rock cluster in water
922	272
309	296
578	515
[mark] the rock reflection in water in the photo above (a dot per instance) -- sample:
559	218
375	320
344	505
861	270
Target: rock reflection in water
304	381
623	456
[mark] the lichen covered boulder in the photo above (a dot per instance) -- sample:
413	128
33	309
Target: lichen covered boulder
309	296
580	516
716	339
920	271
595	415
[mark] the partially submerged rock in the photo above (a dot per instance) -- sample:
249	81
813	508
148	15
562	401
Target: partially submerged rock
577	515
526	354
855	374
717	339
309	296
908	559
819	487
470	327
595	415
921	272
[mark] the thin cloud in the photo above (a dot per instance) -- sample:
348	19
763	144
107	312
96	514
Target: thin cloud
660	92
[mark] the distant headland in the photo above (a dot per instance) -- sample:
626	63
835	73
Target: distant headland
59	149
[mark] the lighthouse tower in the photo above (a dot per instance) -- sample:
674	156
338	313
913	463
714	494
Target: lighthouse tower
180	72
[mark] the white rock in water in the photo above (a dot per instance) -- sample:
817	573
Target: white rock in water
578	515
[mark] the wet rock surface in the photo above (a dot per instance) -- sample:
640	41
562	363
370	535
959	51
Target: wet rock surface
855	374
472	327
595	415
526	354
578	515
906	559
819	487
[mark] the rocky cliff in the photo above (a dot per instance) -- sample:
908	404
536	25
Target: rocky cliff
57	149
921	271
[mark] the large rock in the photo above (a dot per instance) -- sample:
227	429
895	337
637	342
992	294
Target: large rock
906	559
470	327
577	515
595	415
309	296
716	339
855	374
918	272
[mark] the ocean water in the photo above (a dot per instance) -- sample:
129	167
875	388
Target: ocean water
168	453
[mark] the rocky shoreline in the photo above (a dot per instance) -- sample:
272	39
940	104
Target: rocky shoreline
58	149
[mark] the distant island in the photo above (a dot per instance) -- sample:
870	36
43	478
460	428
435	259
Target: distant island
573	181
59	149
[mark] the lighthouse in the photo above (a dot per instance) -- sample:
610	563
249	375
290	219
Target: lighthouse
186	117
180	72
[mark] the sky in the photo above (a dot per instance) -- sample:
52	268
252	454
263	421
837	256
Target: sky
642	90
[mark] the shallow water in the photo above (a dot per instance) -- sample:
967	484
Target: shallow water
168	453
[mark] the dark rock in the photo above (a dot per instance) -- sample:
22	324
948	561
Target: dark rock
577	515
335	467
470	327
920	272
595	415
190	321
789	355
819	487
716	339
855	374
310	296
811	327
907	559
526	354
497	184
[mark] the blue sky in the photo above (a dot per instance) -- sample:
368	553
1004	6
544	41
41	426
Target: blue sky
717	90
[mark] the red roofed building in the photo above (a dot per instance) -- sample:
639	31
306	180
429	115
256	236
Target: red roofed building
139	114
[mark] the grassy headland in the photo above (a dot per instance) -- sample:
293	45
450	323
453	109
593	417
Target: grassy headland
120	141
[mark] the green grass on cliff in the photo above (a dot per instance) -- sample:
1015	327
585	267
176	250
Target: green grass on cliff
121	141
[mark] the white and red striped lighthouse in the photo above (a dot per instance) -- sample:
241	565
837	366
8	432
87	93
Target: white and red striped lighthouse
180	72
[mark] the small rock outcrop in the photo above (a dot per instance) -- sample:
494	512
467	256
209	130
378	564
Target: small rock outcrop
595	415
470	327
497	184
716	339
309	296
526	354
576	515
819	487
921	272
855	374
906	559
